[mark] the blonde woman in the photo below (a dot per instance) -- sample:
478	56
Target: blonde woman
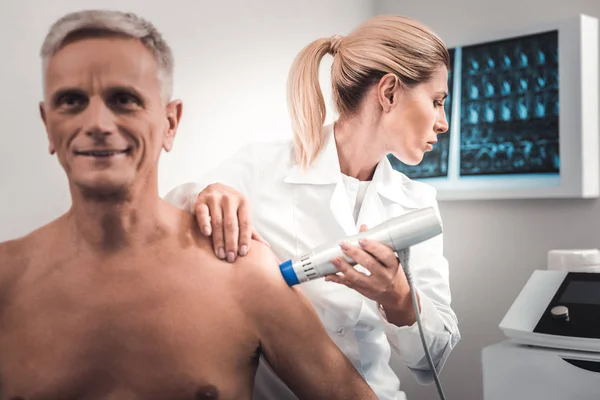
389	79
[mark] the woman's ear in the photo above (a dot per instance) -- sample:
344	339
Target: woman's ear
387	91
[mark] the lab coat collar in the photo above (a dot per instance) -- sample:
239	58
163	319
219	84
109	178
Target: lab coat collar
389	183
398	188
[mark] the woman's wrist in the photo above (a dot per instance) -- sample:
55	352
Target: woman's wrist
400	310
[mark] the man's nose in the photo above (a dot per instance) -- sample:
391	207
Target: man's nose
99	120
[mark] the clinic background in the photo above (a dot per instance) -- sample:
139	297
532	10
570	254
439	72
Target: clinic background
232	59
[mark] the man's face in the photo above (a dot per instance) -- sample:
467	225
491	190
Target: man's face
104	114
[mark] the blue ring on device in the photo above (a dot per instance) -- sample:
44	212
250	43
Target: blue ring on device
287	270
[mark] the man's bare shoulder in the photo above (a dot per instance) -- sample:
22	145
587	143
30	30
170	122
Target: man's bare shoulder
260	266
256	276
16	255
19	251
10	250
261	284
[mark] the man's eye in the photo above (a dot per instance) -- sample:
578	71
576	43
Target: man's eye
71	100
125	100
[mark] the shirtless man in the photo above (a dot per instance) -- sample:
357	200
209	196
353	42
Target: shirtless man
121	297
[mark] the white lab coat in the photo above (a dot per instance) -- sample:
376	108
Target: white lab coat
296	210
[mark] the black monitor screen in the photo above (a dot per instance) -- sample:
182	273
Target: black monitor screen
582	292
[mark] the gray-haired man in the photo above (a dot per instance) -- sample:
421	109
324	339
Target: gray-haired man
121	297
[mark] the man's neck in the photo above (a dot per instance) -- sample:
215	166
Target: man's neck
110	224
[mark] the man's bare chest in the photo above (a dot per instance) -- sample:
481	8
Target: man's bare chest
146	324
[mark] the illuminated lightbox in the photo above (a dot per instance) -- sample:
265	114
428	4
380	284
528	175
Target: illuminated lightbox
523	116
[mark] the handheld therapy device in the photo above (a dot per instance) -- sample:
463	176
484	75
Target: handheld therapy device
399	233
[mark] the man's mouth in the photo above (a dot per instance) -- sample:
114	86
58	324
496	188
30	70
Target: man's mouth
102	153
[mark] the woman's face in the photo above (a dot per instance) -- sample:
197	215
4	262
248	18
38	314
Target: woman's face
415	118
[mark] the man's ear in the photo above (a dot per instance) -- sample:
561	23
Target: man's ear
51	147
174	111
388	89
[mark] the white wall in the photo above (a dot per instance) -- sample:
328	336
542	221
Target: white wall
232	59
493	246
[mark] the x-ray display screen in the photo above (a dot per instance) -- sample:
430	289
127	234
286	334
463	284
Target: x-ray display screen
435	162
510	106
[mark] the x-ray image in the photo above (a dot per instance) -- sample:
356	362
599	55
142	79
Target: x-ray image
435	162
509	107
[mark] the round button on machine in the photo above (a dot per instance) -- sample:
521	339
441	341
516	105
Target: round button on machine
560	313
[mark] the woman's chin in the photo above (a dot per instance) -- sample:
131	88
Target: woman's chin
410	159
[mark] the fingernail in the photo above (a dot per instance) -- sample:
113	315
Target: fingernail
206	230
230	256
362	242
221	253
243	250
335	262
344	245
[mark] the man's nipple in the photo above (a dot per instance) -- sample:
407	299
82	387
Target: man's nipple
207	392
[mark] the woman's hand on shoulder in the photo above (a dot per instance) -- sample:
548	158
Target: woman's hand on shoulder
223	213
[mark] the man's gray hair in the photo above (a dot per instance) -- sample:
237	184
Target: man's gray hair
93	23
